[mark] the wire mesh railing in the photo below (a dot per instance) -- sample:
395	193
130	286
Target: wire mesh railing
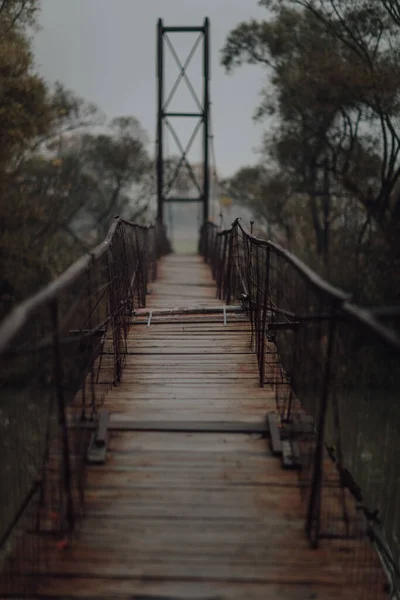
330	363
60	351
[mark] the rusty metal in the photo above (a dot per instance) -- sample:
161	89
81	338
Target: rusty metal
313	520
60	351
165	117
323	356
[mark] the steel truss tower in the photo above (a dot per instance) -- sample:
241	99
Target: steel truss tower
165	117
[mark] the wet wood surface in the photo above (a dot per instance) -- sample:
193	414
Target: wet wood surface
183	280
196	515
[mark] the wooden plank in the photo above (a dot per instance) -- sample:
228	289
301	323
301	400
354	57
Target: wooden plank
131	588
176	426
189	426
191	504
300	425
160	321
184	310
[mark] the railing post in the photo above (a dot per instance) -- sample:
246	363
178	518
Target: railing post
288	416
248	248
264	318
113	308
221	267
124	267
144	258
228	275
206	230
62	421
139	267
45	457
313	521
235	274
146	263
256	311
154	253
90	324
216	254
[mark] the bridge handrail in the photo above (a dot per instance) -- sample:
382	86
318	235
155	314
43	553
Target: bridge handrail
60	351
20	314
368	317
325	358
313	277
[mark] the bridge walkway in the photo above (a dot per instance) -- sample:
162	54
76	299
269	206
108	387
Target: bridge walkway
191	503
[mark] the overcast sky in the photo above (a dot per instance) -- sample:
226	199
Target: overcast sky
105	50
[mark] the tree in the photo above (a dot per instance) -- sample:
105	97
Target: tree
61	180
300	144
24	111
62	189
335	79
120	166
339	61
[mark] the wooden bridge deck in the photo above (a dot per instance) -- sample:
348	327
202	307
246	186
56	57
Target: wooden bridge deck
179	513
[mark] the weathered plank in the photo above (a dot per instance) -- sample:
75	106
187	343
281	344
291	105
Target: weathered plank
191	503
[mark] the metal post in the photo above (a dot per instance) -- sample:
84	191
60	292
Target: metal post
206	70
228	275
167	116
247	246
160	81
146	263
66	473
114	320
313	521
264	318
221	267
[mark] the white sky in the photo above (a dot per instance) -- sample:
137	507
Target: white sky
104	50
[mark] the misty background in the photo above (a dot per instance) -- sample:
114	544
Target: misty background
106	53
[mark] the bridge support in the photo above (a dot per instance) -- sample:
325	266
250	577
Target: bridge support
165	119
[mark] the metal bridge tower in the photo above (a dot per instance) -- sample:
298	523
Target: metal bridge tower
165	118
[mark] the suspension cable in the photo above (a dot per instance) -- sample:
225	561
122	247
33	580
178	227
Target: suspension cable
215	181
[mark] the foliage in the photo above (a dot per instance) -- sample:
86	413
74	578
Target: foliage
64	174
334	92
24	111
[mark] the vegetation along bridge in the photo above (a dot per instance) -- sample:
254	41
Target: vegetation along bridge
214	426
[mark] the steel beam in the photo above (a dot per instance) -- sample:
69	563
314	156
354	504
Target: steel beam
160	158
188	29
206	71
203	104
183	114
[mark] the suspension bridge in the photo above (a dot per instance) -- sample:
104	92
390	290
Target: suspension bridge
219	425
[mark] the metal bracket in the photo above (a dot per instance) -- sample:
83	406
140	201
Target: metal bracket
282	436
290	455
97	451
